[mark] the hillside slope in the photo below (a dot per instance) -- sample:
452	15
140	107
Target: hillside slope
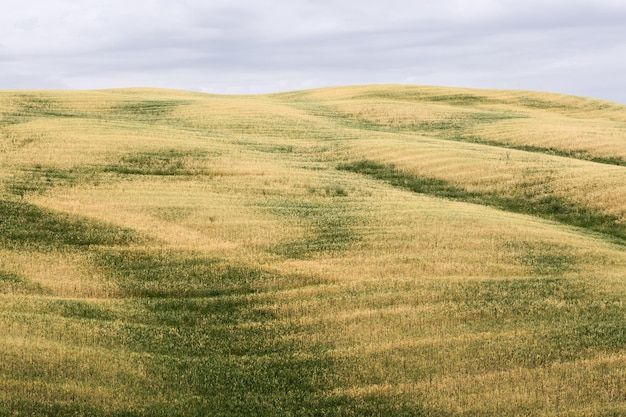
374	250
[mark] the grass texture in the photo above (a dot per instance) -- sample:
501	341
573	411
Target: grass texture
372	250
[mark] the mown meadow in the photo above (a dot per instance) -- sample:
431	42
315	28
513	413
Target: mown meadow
373	250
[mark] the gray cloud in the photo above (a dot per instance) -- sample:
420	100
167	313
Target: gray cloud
243	46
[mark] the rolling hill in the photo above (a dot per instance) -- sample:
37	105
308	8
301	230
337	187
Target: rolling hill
369	250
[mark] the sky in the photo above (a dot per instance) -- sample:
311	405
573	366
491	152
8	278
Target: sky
258	46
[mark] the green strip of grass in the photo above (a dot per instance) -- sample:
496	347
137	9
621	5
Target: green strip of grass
328	226
167	274
573	154
26	226
147	110
565	319
423	185
166	163
32	106
550	206
491	326
14	284
38	180
211	343
76	309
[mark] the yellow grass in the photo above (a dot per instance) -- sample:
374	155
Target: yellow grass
421	304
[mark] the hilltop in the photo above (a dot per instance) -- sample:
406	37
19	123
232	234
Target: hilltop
391	250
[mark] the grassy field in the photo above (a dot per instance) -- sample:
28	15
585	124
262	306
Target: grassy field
375	250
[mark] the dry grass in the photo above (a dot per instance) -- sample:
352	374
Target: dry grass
375	250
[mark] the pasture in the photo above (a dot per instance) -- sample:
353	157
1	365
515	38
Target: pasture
372	250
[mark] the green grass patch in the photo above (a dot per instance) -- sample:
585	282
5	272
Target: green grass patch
459	99
39	179
26	226
221	310
211	342
171	162
542	259
326	113
248	366
158	274
448	128
173	214
536	298
266	147
147	110
221	353
445	128
15	284
526	200
563	319
32	106
548	150
423	185
77	309
456	99
491	326
328	226
568	106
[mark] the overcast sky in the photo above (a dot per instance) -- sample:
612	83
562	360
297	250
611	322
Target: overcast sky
256	46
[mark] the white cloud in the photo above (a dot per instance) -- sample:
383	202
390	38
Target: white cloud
570	46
